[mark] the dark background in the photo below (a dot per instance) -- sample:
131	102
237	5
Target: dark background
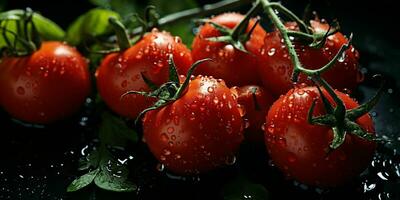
39	163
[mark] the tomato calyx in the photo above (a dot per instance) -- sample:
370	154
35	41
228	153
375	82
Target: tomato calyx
26	39
257	106
167	92
341	120
237	36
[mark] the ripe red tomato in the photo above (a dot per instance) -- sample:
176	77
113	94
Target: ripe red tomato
299	149
277	67
121	72
235	67
256	103
46	86
198	132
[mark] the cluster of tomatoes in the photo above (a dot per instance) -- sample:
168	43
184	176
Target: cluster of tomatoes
237	95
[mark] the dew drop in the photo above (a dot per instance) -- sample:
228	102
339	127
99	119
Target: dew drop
166	152
210	89
170	129
160	167
230	160
20	90
271	51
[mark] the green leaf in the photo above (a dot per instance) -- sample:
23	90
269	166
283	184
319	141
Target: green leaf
241	188
82	181
115	132
113	182
47	29
181	29
93	23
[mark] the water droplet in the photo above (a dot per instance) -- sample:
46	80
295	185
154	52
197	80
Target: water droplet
166	152
215	100
170	129
241	110
230	160
383	175
246	123
390	91
160	167
271	51
20	90
271	128
210	89
177	156
369	187
164	137
124	83
162	158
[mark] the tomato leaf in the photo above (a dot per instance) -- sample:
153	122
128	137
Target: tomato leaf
82	181
90	25
242	188
47	29
114	178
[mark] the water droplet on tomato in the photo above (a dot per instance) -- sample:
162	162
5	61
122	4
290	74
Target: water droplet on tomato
210	89
170	129
342	57
20	90
124	84
263	126
177	39
164	137
166	152
241	110
215	100
271	51
246	123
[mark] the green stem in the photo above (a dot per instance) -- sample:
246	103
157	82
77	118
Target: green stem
120	31
297	67
208	9
292	16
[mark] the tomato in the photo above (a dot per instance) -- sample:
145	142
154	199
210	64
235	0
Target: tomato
277	67
45	86
235	67
198	132
256	102
121	72
299	149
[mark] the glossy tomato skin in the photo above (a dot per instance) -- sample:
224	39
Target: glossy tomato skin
235	67
300	149
255	109
198	132
45	86
121	72
277	69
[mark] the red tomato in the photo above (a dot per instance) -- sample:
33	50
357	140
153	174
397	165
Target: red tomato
277	67
299	149
235	67
120	72
46	86
198	132
256	102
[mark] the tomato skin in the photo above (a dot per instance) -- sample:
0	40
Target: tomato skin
46	86
235	67
255	116
299	148
121	72
277	69
198	132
